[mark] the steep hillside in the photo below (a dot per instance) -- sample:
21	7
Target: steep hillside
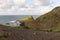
51	20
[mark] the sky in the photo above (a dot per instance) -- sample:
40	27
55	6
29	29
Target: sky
27	7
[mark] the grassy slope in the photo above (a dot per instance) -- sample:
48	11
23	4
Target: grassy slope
1	33
51	19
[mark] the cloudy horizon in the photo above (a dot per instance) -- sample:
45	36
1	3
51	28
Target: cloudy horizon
27	7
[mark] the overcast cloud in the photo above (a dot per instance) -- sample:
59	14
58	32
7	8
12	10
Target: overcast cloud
27	7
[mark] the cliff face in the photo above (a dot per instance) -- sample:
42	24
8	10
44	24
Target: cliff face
51	19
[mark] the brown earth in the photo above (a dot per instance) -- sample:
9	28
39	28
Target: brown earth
16	34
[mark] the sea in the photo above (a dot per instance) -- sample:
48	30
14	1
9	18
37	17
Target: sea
7	18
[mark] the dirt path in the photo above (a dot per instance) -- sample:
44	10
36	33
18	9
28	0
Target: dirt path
16	34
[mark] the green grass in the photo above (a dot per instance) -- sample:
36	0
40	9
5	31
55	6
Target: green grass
51	19
4	26
2	38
